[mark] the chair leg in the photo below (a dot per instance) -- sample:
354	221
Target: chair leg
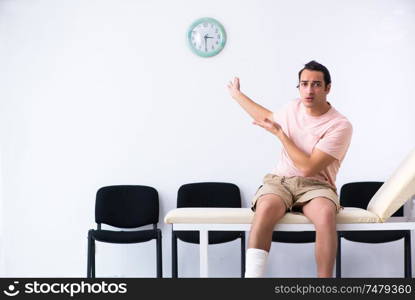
159	255
407	253
174	254
92	258
89	251
243	254
339	256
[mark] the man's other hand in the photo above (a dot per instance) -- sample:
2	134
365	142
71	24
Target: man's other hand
269	125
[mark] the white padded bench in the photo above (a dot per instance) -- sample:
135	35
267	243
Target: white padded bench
398	189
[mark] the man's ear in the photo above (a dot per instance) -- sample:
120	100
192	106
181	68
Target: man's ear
328	87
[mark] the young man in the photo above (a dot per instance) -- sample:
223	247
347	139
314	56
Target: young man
315	138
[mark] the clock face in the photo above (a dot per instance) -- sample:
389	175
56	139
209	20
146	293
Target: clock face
206	37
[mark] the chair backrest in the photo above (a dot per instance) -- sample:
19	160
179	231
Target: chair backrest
358	194
398	189
209	194
127	206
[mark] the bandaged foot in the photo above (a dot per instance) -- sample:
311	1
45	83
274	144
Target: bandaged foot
256	260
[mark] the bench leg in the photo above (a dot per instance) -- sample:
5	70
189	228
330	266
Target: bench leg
203	236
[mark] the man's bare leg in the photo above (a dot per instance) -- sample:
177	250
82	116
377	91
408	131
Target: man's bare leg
269	209
322	213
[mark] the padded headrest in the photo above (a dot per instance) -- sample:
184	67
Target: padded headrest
398	189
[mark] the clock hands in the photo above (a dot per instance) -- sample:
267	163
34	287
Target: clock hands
207	37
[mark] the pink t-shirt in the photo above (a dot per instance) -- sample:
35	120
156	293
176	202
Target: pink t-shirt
330	133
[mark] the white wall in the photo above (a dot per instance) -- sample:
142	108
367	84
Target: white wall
96	93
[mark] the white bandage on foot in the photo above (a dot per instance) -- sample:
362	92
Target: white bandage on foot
256	260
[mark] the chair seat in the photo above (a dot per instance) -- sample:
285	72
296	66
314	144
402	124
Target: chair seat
215	237
374	237
224	215
124	237
298	237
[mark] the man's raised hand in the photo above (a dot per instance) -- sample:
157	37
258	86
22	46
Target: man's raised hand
234	88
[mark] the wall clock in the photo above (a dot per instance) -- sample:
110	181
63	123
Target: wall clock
206	37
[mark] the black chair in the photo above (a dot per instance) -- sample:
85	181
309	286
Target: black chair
208	194
358	194
125	206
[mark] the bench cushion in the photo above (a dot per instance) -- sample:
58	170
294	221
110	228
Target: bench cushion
398	189
222	215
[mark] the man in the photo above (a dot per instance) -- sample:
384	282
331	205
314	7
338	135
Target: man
315	138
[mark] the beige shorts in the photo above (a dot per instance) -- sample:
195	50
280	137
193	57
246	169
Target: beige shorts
296	191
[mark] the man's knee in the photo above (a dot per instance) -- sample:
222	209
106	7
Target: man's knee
270	209
321	211
270	204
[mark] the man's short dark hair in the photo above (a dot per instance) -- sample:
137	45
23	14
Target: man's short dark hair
315	66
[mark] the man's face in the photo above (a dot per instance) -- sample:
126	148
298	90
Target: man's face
313	90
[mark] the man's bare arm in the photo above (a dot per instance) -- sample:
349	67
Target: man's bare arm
309	165
256	111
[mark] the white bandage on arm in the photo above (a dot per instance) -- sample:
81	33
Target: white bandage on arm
256	260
